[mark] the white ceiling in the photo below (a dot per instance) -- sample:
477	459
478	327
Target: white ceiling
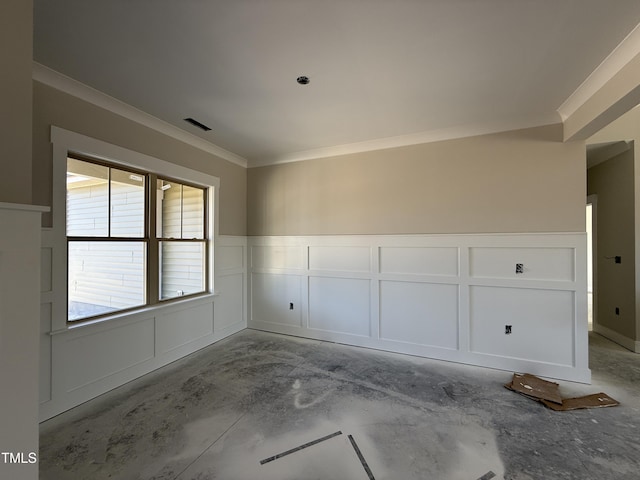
378	69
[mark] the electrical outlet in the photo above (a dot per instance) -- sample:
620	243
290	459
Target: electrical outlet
507	329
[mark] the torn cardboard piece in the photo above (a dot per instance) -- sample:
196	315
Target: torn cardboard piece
535	387
596	400
548	394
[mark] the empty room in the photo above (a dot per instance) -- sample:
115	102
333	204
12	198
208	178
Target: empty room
296	239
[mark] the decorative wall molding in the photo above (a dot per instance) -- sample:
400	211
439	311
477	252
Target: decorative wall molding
610	66
430	136
19	291
130	345
447	297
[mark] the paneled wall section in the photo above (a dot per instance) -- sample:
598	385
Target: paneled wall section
77	364
448	297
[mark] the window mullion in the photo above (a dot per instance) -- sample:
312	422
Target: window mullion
181	210
153	248
109	203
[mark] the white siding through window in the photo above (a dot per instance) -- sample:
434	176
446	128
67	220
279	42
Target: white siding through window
182	262
106	274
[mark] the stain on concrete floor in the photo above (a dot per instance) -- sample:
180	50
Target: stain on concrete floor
217	413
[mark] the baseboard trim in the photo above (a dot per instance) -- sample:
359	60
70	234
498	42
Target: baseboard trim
623	341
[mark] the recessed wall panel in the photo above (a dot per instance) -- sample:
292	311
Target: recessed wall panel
542	323
181	327
228	306
46	269
92	357
419	260
537	263
272	296
45	352
340	258
228	257
340	305
277	256
419	313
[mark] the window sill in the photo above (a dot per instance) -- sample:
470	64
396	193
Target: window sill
119	318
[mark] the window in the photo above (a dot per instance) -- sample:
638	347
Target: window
181	232
114	263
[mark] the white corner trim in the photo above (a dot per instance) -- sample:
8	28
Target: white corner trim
89	94
610	66
431	136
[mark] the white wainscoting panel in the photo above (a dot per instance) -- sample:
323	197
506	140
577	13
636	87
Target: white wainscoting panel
340	259
285	257
231	286
537	263
82	362
45	353
229	307
272	296
541	323
20	318
419	260
340	305
175	329
228	258
439	296
46	283
419	313
88	357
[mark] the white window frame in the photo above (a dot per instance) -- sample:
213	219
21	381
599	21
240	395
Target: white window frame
67	143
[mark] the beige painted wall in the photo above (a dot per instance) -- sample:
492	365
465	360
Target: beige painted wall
16	40
613	183
626	127
53	107
518	181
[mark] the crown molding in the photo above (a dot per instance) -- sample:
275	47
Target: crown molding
628	49
412	139
89	94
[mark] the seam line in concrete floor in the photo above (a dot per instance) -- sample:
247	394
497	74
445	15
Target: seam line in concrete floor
301	447
209	447
361	458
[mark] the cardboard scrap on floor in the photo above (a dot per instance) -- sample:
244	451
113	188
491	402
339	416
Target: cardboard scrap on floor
548	394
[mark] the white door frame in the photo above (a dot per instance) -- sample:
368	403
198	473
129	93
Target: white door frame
593	201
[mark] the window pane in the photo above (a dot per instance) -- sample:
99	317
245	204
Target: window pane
87	199
181	268
192	212
127	204
170	196
181	211
105	277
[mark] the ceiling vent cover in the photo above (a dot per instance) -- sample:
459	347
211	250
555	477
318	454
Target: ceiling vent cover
196	123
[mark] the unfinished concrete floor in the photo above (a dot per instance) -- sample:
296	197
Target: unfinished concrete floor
222	411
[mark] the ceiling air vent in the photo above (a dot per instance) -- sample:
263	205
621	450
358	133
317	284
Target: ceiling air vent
196	123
